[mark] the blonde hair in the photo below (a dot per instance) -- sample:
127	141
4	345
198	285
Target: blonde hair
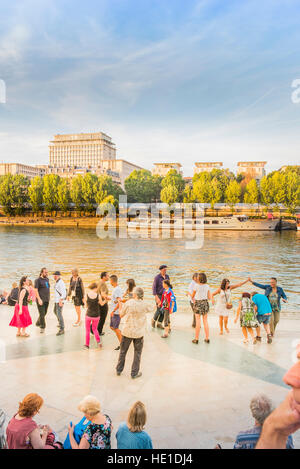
30	405
90	406
137	417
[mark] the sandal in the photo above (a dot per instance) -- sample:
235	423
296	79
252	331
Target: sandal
195	341
25	335
164	336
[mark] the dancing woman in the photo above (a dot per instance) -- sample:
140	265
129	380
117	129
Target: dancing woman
21	318
224	304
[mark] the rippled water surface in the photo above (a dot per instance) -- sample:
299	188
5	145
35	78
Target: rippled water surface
236	255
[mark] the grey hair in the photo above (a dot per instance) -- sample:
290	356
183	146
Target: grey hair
139	292
261	407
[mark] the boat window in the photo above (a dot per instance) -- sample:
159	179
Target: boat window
215	222
206	222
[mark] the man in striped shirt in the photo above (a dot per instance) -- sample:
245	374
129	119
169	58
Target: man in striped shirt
261	407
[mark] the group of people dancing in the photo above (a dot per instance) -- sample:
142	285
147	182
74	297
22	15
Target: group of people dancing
254	309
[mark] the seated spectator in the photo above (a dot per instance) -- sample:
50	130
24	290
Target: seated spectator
261	407
3	421
78	432
13	295
97	434
3	295
23	432
286	418
131	435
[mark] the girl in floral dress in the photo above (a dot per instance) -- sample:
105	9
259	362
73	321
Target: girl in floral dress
247	317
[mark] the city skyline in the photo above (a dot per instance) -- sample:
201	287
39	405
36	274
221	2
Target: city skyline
200	82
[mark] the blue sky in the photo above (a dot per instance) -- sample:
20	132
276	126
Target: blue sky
206	80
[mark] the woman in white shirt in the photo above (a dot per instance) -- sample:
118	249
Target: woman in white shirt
201	296
190	295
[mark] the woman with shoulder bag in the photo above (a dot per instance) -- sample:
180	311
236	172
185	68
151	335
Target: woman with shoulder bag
224	304
76	292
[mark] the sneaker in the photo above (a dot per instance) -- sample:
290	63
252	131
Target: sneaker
118	373
60	332
117	348
86	347
153	323
137	376
102	334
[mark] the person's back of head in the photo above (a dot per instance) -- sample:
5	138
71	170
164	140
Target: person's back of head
137	417
138	293
30	405
261	407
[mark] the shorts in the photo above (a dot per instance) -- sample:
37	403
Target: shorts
115	321
201	307
77	301
167	321
264	318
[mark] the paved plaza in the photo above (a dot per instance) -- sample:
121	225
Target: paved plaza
196	396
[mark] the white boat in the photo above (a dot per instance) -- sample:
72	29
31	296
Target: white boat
235	223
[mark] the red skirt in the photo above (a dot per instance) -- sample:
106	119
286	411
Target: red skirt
21	320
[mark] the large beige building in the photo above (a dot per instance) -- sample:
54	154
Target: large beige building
24	169
72	171
207	167
81	150
162	169
252	169
121	167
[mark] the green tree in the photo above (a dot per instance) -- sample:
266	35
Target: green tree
175	179
278	189
7	194
35	192
266	191
169	194
63	195
252	192
76	192
20	193
141	186
215	192
233	194
201	191
88	193
51	182
292	194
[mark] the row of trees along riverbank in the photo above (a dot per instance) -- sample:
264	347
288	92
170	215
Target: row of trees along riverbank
52	194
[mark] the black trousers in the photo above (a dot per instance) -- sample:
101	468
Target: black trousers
159	313
42	309
103	316
138	348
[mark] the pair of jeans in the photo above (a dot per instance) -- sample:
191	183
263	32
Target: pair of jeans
42	309
138	348
58	313
274	321
91	322
159	314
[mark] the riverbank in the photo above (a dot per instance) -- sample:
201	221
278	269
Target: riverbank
211	385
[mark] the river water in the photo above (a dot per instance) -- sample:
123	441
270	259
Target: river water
234	255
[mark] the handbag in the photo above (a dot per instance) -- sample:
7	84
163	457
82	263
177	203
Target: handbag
228	305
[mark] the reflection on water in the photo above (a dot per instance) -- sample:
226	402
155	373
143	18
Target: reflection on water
236	255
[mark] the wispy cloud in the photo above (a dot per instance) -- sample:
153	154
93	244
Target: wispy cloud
201	80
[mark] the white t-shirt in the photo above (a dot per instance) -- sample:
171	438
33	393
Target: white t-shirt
192	287
117	293
201	291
